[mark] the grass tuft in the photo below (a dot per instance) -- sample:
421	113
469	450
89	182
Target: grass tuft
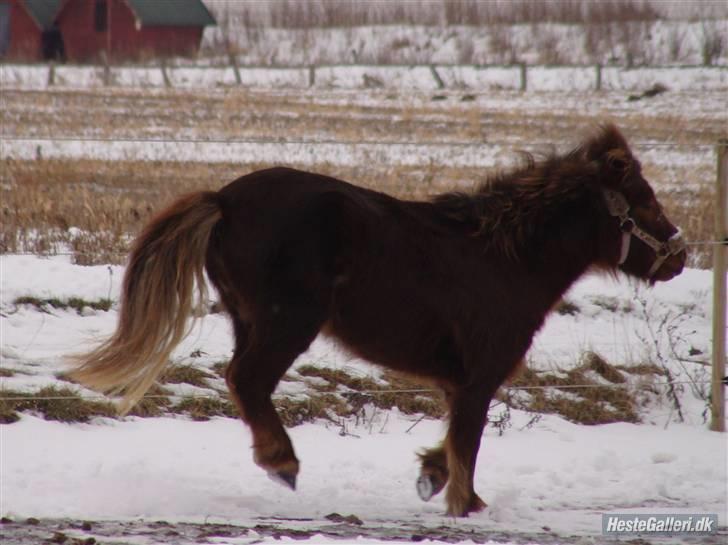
76	303
294	412
220	368
593	361
204	408
597	403
154	403
186	374
71	407
387	395
567	308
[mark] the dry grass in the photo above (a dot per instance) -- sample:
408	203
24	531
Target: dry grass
391	391
580	396
296	411
241	17
41	200
94	207
204	408
156	402
338	396
185	374
75	303
71	408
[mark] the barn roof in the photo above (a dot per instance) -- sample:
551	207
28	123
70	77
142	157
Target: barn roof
171	13
43	12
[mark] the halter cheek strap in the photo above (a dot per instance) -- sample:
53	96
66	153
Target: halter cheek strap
619	208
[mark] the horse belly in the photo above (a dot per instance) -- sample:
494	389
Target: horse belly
412	340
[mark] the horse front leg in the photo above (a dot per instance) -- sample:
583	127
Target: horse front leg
433	472
468	415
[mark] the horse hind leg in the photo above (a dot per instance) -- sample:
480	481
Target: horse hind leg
262	356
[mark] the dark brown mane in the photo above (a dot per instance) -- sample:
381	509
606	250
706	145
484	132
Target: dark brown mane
509	208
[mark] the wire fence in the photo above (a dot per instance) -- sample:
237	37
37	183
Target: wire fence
313	142
412	77
351	392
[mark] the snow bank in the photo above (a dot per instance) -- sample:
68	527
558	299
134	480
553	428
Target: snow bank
548	473
554	474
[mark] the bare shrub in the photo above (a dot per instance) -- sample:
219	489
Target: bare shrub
347	13
462	12
502	45
712	43
465	50
675	43
548	46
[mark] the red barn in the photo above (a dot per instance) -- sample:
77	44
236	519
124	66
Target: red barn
27	30
119	29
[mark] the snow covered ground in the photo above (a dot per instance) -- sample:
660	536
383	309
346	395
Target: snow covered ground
551	473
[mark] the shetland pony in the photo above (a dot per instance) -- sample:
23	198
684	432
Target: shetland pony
451	289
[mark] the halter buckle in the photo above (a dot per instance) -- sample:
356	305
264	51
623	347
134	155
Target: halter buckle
627	224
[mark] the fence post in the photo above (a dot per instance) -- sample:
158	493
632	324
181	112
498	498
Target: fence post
236	69
717	397
436	77
107	68
598	84
524	77
311	75
165	75
51	73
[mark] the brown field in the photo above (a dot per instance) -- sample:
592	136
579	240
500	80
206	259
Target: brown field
93	206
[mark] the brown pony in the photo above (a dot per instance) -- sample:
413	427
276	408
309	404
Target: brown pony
451	290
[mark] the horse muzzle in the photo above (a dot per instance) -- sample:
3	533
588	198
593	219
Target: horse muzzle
671	264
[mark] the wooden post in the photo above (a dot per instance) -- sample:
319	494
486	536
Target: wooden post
165	75
311	75
717	396
234	63
524	77
436	77
51	73
107	68
598	84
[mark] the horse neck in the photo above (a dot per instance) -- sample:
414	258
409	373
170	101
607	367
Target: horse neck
552	246
568	251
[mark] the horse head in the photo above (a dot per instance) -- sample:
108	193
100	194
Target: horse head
639	238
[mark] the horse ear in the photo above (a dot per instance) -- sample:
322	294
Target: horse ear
617	160
609	152
608	141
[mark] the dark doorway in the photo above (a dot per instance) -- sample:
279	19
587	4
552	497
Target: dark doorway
52	43
4	27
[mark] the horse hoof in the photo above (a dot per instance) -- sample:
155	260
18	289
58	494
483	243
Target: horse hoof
284	478
425	487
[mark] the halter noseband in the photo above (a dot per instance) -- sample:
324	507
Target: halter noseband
619	208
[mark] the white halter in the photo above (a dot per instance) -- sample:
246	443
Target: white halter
619	208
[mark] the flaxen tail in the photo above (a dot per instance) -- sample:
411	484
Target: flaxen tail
157	299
